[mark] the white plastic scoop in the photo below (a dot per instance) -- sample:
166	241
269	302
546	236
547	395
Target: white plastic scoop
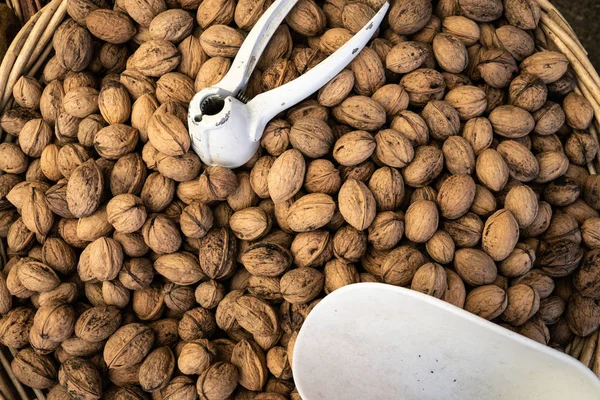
375	341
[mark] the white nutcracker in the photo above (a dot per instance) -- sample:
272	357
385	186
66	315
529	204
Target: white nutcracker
225	127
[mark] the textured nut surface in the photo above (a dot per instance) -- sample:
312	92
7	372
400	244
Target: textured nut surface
453	156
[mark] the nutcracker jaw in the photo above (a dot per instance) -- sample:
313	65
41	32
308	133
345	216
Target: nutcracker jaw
222	138
225	128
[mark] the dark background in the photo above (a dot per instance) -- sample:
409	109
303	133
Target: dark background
584	17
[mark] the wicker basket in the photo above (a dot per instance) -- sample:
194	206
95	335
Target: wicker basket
33	45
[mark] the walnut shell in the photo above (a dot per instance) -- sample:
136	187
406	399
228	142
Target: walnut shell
144	11
114	103
581	148
450	53
338	273
278	364
425	166
266	259
523	303
259	175
357	204
15	327
94	226
126	213
209	294
519	262
136	274
511	121
84	189
168	134
369	73
156	370
33	369
528	92
137	83
523	204
12	121
409	16
218	381
322	177
161	234
496	66
441	247
286	175
301	285
256	316
337	89
180	268
280	72
552	164
155	58
349	244
549	66
582	314
491	169
98	323
412	126
37	276
360	112
312	136
173	25
80	378
211	72
73	46
401	265
578	110
70	157
475	267
501	233
406	57
250	361
386	230
250	223
248	12
111	26
421	221
105	258
12	159
522	164
430	279
488	301
219	249
312	249
215	12
353	148
36	213
393	98
306	18
128	346
55	321
27	92
469	101
176	87
196	220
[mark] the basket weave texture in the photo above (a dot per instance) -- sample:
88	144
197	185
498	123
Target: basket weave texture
25	9
33	45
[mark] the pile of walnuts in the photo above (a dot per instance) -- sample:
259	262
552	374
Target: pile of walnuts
449	157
